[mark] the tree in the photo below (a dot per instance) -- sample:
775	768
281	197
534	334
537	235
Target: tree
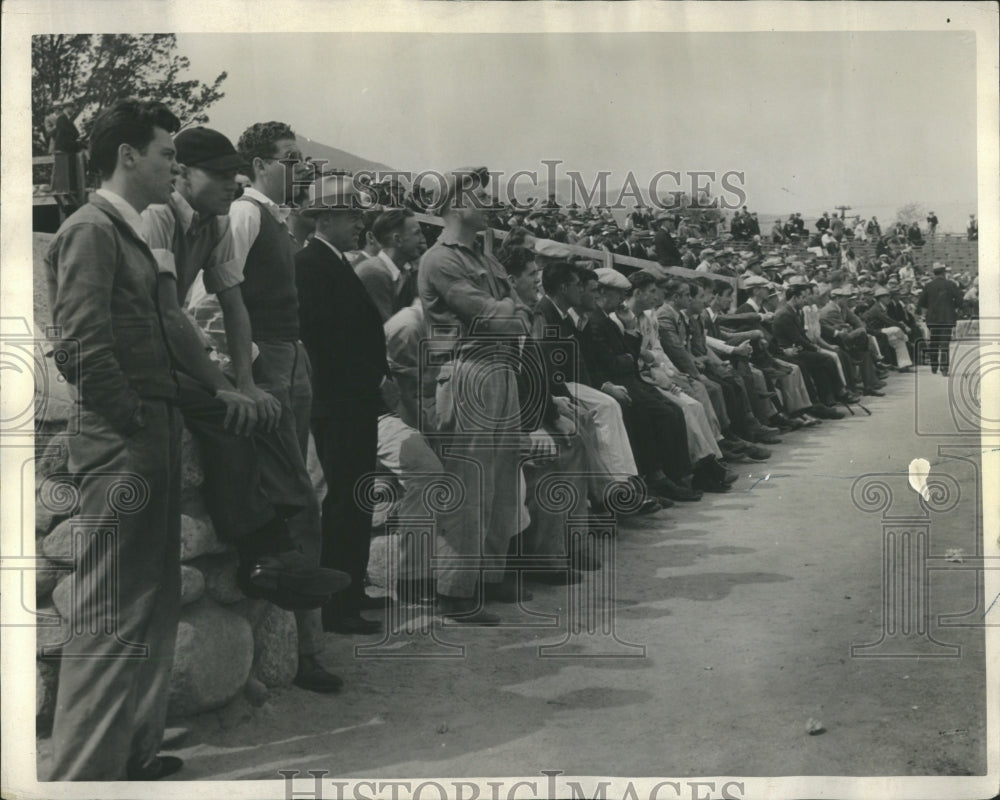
910	213
89	72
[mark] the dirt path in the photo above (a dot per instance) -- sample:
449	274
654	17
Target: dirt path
746	606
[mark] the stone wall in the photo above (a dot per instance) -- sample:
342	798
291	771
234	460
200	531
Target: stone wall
226	643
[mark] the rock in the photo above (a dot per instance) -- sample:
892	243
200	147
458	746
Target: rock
220	577
46	579
192	584
50	458
255	692
198	538
814	727
46	685
192	474
49	636
58	544
275	647
43	520
62	596
212	659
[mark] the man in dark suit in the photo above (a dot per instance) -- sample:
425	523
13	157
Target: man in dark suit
667	252
940	300
790	336
342	331
884	328
632	246
656	429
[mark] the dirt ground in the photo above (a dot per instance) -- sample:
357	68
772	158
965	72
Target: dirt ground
733	618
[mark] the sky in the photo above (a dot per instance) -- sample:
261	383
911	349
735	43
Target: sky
813	120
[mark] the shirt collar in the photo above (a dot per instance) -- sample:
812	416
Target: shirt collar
579	320
448	238
126	209
319	238
278	212
393	269
555	305
753	304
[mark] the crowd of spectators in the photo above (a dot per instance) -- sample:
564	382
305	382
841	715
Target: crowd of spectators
549	390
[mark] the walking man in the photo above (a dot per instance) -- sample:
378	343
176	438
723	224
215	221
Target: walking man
940	301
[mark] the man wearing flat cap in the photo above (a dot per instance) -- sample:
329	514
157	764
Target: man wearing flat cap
341	328
252	485
477	320
940	300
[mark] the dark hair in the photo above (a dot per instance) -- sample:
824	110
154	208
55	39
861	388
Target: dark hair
675	287
128	122
368	218
586	275
796	290
516	260
258	141
722	287
640	279
389	222
557	274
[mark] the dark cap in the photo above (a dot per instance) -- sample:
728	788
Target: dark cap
208	149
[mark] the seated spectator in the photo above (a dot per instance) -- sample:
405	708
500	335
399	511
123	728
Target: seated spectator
883	327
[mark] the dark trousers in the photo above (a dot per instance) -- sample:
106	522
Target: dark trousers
111	705
656	431
248	479
939	346
347	446
822	373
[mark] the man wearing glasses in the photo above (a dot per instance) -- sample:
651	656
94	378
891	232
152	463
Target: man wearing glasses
264	316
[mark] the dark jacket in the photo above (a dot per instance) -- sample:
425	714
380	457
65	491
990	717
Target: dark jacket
341	329
102	281
613	355
941	298
788	328
876	319
667	252
564	352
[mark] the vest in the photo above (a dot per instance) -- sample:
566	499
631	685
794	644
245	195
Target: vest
268	287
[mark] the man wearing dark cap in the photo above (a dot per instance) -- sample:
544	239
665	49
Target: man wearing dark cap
940	300
251	486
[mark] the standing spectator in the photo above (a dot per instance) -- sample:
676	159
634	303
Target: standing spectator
64	145
823	223
932	223
111	706
391	277
666	249
972	229
940	301
268	325
873	228
341	328
466	292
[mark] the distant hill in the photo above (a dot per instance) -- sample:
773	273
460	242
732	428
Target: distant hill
338	159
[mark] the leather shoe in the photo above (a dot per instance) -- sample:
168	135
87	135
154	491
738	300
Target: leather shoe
353	625
464	610
159	767
755	453
826	412
312	677
289	580
667	488
874	393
